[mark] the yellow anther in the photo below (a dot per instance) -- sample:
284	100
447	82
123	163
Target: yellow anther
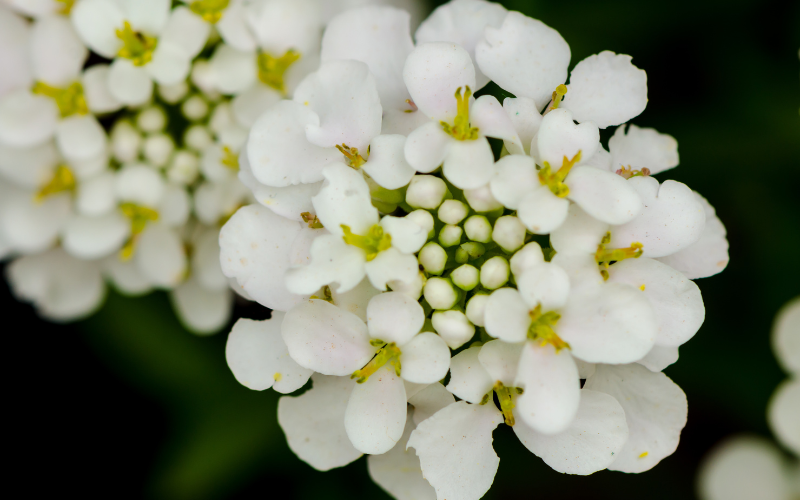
62	181
506	401
210	10
605	256
644	454
461	128
327	296
389	353
541	329
271	69
277	377
627	172
70	100
139	217
413	107
354	159
136	46
558	94
555	180
312	220
229	159
66	7
374	242
641	288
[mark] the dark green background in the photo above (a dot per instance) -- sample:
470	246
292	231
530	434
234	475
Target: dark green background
127	404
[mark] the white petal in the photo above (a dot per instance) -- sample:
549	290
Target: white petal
501	360
279	153
541	211
382	42
259	359
676	301
639	148
314	423
332	261
655	409
786	336
592	441
28	167
429	400
433	72
605	196
15	71
453	326
125	276
398	471
96	90
458	467
344	97
149	16
161	256
26	119
743	468
170	64
187	31
525	117
393	317
326	339
546	285
610	323
140	184
559	138
387	163
94	237
129	84
288	202
425	359
658	358
200	310
492	120
80	138
782	413
402	121
233	28
506	316
357	299
481	199
391	265
606	89
407	235
205	261
345	200
376	413
581	267
32	227
280	25
526	257
671	219
235	71
57	54
96	22
580	232
427	147
469	164
255	248
469	380
175	206
525	57
515	176
249	105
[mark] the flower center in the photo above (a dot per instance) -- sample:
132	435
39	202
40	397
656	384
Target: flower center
229	159
374	242
271	69
388	353
506	400
66	7
136	46
541	329
312	220
461	129
210	10
70	100
63	180
555	180
354	159
605	256
628	172
139	217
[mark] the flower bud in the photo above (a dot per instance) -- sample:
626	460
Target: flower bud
528	256
183	168
157	149
440	293
433	258
475	308
151	120
423	219
413	289
125	142
198	138
450	235
469	250
509	233
426	191
494	273
454	327
481	199
478	229
452	211
171	94
194	108
465	277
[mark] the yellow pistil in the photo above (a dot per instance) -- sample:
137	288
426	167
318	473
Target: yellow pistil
63	180
66	6
136	46
354	159
555	180
312	220
271	69
210	10
605	256
461	128
506	401
541	329
388	353
558	94
70	100
374	242
139	217
628	172
229	159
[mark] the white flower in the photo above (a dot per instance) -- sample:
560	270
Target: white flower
15	71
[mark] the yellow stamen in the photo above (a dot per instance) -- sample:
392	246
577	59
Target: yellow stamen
312	220
66	8
644	454
62	181
354	159
541	328
558	94
555	180
229	159
389	353
210	10
136	46
506	402
628	172
70	100
605	257
374	242
327	296
641	288
461	128
139	217
271	69
277	377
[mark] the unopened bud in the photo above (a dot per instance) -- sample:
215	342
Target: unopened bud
440	293
454	327
452	211
494	273
125	141
413	289
194	108
433	258
481	199
198	138
509	233
157	149
183	168
426	191
468	251
450	235
527	257
151	120
465	277
476	307
423	219
478	229
171	94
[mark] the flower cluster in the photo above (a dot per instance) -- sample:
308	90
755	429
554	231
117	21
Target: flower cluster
748	467
120	129
439	264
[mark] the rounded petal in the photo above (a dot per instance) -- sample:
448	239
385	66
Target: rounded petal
506	316
469	164
57	54
407	235
525	117
161	256
429	400
15	71
591	442
782	413
525	57
786	336
280	25
515	176
425	359
252	103
201	310
433	72
129	84
149	16
332	261
259	359
659	358
427	147
525	258
357	299
605	196
639	148
28	167
391	265
125	276
493	121
94	237
398	470
32	227
546	285
376	413
344	199
326	339
580	233
314	423
541	211
456	467
606	89
205	261
140	184
186	31
80	138
235	71
469	380
170	65
393	317
96	90
501	360
233	28
26	119
387	163
560	139
655	408
96	22
289	202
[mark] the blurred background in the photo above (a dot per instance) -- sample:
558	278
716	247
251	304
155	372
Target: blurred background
128	404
